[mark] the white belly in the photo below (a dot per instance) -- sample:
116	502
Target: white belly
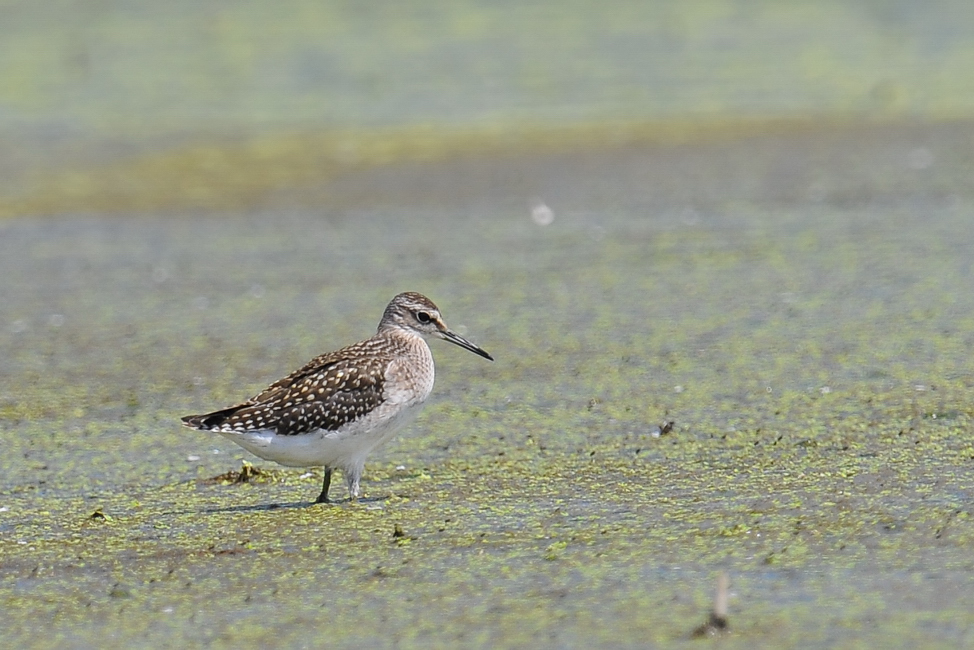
344	448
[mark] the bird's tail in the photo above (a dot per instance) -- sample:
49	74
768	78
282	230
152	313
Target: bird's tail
210	421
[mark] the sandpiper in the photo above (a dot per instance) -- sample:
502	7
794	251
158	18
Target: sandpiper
340	406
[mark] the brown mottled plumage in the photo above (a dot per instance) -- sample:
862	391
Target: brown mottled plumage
340	406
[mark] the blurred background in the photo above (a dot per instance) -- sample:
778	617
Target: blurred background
113	106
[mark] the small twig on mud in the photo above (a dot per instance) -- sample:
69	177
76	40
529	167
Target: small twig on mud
717	623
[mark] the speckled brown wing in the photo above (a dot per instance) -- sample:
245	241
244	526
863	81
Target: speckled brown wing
327	393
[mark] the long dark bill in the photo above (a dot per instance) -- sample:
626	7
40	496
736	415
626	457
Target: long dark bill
455	338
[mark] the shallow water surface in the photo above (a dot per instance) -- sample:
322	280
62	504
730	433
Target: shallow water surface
797	304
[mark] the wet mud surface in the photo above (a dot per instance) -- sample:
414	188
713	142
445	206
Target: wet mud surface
797	303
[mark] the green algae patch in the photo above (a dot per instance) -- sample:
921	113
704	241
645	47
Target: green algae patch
227	175
631	546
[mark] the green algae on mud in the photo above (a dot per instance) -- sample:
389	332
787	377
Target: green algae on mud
493	549
238	173
812	348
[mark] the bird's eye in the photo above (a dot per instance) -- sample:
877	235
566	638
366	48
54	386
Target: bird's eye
423	317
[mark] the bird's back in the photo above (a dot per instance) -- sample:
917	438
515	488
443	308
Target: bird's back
332	390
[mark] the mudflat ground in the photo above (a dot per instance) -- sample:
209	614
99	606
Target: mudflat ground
797	302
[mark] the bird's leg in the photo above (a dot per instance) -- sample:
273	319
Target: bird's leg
352	477
323	497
